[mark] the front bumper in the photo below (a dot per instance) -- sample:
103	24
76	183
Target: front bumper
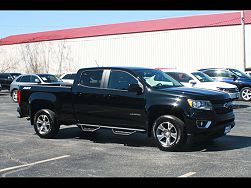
234	95
218	124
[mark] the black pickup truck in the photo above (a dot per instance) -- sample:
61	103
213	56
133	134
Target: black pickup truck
129	100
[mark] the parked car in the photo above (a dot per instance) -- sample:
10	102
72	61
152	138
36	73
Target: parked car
232	76
6	79
68	77
42	79
198	79
129	100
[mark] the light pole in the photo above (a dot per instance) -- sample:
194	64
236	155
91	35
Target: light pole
243	38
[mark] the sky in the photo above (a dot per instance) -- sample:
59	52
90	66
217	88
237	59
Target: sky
21	22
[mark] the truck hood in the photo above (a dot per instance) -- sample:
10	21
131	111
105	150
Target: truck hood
196	93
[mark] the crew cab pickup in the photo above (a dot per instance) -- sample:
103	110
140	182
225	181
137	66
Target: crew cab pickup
129	100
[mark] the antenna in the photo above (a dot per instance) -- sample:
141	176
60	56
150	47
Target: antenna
96	62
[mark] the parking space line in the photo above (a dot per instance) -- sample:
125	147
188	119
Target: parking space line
30	164
187	174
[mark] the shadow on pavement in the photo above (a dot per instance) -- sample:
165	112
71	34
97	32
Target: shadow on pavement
106	136
238	106
228	142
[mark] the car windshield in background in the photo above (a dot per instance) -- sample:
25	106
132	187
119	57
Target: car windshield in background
239	73
157	78
202	77
49	78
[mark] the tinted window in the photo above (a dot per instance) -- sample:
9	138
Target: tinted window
18	80
181	77
202	77
157	79
218	73
25	79
48	78
4	76
67	76
72	76
239	73
33	79
120	80
91	78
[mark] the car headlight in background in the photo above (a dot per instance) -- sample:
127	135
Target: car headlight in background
200	104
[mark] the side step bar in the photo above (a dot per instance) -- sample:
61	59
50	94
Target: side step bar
115	130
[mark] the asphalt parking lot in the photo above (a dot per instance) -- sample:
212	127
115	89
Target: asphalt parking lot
74	153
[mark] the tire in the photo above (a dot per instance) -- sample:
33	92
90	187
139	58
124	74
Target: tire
45	124
245	94
14	95
169	133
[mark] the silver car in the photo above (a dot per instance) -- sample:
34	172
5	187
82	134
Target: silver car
30	79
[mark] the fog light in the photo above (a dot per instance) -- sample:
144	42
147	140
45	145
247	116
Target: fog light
203	124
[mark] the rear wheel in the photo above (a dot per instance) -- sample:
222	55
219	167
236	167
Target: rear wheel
45	124
169	133
245	94
14	95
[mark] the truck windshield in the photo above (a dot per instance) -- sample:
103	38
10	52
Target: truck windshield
157	79
202	77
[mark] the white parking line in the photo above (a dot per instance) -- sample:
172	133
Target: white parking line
187	174
25	165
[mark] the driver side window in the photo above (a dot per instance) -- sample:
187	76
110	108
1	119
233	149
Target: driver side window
120	80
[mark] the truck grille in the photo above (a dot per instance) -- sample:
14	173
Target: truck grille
223	106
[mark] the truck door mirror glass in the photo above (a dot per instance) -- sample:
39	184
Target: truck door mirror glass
135	88
192	82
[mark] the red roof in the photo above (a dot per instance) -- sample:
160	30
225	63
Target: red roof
223	19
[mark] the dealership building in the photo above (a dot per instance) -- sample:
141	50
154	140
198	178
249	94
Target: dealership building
190	42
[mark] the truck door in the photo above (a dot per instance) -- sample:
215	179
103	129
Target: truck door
122	108
88	98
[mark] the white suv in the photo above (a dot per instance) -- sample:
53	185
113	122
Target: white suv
198	79
68	77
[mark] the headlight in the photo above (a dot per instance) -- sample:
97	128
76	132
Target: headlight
200	104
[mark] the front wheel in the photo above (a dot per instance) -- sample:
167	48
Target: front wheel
45	124
169	133
245	94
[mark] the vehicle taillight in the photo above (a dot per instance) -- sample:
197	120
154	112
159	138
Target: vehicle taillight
18	96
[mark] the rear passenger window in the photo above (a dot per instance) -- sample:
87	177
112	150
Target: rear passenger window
67	76
91	78
25	79
72	76
18	80
211	73
120	80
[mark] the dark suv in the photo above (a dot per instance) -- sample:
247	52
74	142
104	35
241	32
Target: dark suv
232	76
7	78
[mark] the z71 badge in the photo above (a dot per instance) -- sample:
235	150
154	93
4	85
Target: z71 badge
27	88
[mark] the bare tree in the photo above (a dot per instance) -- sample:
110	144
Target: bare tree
7	63
36	57
62	54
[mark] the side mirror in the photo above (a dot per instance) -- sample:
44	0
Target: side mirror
234	76
37	81
192	82
135	88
